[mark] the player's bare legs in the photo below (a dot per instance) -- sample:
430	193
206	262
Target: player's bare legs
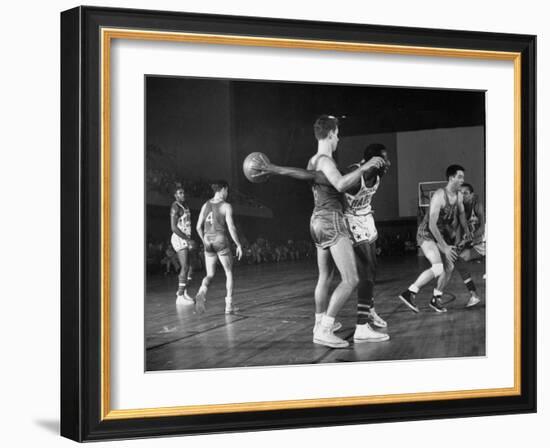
183	283
326	271
344	259
432	253
227	264
200	299
322	288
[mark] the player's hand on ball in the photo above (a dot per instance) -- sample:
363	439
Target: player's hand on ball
260	174
256	167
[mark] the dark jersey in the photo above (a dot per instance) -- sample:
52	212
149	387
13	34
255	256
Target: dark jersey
447	222
325	197
214	219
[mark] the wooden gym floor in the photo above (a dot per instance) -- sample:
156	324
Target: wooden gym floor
274	323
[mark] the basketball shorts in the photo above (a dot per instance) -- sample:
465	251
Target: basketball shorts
327	227
424	234
216	244
178	243
361	228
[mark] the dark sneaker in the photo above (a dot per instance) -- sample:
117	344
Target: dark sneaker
407	298
435	304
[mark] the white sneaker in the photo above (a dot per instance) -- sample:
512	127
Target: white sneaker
474	300
364	333
200	301
376	320
335	326
184	299
325	336
230	308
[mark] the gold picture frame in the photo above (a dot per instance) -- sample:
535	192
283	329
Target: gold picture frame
91	393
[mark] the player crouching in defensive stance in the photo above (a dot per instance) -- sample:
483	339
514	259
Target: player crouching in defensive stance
357	210
436	237
214	216
180	222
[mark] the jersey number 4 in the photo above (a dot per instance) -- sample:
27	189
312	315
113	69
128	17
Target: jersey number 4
210	219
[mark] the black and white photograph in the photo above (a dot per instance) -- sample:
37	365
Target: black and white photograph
293	223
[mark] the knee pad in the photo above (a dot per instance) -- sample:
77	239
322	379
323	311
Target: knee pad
437	269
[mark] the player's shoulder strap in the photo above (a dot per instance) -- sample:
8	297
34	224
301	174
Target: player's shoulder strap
321	157
175	208
446	196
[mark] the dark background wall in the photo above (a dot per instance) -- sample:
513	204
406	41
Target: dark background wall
204	128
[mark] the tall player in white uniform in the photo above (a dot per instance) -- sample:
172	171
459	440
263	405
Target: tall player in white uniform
359	216
180	222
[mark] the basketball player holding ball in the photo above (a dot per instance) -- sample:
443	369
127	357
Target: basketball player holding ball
328	229
217	214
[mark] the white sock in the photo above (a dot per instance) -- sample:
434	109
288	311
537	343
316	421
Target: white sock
414	289
327	321
228	300
437	292
318	317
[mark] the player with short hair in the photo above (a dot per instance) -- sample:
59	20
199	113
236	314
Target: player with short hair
327	227
180	222
217	214
329	232
436	237
359	216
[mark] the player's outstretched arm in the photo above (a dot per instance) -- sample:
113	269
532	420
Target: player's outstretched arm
233	229
174	222
343	182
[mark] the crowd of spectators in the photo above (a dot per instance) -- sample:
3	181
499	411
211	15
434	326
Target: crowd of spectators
395	243
161	257
263	250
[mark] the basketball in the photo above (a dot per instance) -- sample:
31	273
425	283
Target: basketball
251	165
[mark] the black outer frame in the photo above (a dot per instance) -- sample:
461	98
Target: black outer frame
81	223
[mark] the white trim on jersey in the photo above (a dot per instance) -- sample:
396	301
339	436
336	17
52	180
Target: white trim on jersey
360	202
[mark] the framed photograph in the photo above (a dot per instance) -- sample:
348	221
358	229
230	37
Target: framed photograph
276	224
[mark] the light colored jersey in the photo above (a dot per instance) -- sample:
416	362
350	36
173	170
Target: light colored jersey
358	212
184	224
184	219
360	202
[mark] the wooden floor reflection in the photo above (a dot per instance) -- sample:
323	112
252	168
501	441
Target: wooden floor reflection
274	322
